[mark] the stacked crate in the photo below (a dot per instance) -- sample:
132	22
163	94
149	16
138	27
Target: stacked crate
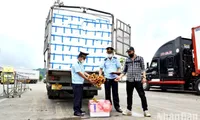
75	32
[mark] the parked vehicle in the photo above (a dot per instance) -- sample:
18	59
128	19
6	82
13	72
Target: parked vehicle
7	75
69	30
0	73
32	75
176	64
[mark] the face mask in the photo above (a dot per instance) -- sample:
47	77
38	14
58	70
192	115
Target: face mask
110	55
131	55
82	61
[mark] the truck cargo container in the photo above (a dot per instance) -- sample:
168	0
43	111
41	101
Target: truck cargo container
32	76
71	29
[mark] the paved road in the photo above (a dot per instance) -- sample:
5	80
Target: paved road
34	105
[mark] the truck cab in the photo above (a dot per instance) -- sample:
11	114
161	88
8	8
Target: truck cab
172	66
7	75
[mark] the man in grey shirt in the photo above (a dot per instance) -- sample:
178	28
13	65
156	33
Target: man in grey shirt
135	69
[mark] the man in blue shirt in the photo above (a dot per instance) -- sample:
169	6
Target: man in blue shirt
111	64
78	76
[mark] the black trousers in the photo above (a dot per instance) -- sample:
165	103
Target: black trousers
78	95
110	83
130	88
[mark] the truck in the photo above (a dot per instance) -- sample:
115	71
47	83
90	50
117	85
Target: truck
0	73
71	29
7	75
32	76
176	65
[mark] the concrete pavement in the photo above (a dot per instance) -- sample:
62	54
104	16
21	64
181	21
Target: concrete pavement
34	105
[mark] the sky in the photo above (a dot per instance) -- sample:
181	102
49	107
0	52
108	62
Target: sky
153	23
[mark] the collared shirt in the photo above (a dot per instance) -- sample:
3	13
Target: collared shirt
109	66
76	78
134	68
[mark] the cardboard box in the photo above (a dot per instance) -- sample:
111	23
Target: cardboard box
99	108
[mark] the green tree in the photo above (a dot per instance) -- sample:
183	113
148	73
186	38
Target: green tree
41	77
122	60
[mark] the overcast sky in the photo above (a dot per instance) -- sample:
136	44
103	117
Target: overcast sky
153	23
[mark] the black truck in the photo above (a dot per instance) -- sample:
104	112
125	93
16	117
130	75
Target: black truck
175	65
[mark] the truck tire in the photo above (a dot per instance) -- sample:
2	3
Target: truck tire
163	89
197	86
146	86
50	95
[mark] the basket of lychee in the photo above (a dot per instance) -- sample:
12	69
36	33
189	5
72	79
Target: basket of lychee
97	80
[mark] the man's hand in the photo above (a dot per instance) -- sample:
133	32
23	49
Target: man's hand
90	80
86	74
144	80
118	78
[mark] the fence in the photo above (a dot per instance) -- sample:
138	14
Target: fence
13	85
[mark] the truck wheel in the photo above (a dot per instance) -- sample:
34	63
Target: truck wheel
197	87
49	94
146	86
50	97
163	89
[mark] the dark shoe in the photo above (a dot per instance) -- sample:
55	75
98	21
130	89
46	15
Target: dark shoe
119	110
78	114
83	112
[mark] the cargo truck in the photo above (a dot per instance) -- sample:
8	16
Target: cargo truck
7	75
176	64
71	29
0	73
32	76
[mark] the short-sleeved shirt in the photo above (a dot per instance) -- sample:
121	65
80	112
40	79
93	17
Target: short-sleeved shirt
76	78
109	66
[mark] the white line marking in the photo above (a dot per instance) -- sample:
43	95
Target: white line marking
3	100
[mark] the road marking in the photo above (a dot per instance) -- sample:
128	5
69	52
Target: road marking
3	100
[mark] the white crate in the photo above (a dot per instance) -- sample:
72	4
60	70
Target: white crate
100	114
73	42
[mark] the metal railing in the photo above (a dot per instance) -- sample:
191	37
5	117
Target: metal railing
13	86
